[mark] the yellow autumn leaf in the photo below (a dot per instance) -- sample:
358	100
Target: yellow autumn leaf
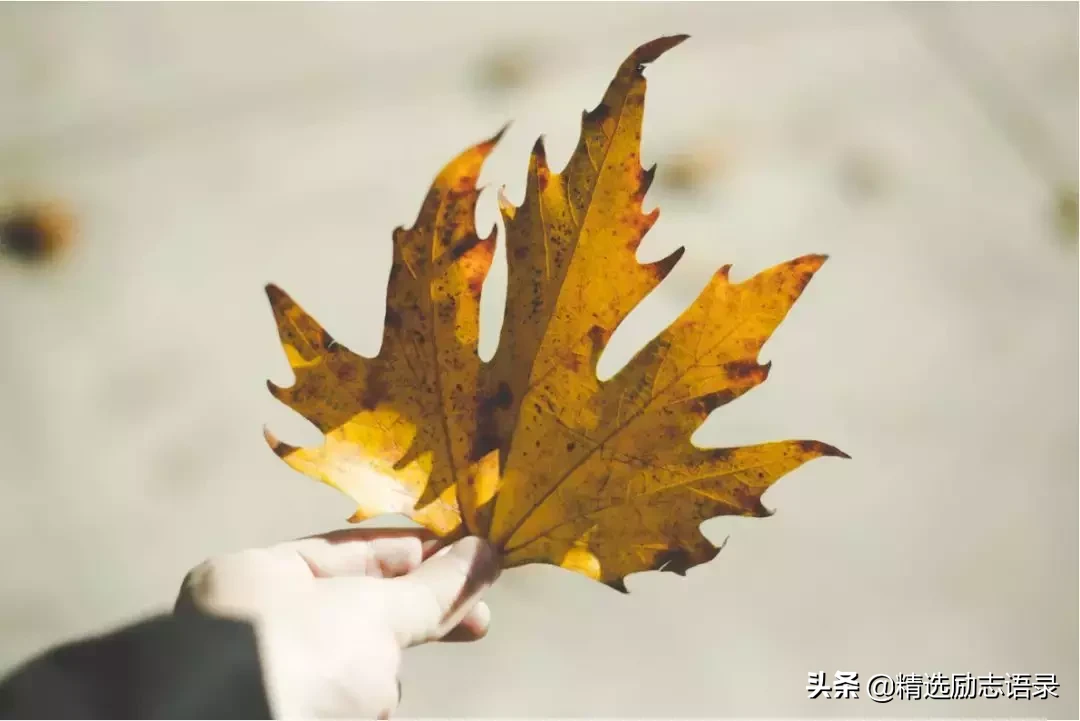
531	450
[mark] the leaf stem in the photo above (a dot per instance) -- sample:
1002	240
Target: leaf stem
453	537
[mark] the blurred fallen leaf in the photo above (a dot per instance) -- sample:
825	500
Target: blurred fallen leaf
530	449
505	70
1066	207
691	171
36	233
862	176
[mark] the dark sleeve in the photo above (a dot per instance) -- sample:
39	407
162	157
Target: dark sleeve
180	666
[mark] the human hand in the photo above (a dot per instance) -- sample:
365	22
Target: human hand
332	613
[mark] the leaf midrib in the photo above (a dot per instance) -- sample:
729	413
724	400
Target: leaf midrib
577	240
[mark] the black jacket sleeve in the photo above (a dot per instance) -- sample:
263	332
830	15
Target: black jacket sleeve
187	665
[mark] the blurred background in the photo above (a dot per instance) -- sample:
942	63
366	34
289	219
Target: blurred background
167	160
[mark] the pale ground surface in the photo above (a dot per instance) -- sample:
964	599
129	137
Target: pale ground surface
210	149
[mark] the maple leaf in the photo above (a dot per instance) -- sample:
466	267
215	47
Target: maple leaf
531	450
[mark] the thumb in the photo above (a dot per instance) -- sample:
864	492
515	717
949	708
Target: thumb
427	603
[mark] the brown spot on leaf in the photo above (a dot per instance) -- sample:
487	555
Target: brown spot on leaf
598	114
706	404
720	455
346	372
375	391
503	396
464	247
476	284
662	267
819	448
599	336
742	369
393	319
801	281
464	185
478	262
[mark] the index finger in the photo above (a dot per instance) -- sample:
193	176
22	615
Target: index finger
378	552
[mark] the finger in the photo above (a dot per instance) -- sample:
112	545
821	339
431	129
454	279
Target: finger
372	534
431	547
473	627
383	553
427	603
